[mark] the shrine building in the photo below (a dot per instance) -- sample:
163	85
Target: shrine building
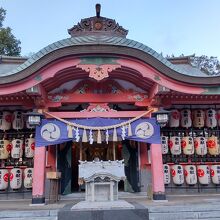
103	97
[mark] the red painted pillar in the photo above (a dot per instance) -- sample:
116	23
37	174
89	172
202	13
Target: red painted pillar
38	192
157	172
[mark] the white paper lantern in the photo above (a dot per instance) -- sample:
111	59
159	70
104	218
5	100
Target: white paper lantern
177	174
174	121
175	145
164	144
28	178
16	178
210	118
17	148
187	145
200	145
203	174
29	147
185	118
5	148
198	118
18	121
190	174
215	174
213	145
5	120
166	172
4	179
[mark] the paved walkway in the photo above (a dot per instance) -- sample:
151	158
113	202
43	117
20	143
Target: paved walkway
179	207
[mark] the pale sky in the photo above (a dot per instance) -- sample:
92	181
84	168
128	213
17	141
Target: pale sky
167	26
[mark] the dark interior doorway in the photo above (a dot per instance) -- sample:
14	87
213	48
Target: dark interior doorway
70	153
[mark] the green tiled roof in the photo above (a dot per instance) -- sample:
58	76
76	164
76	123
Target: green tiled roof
100	40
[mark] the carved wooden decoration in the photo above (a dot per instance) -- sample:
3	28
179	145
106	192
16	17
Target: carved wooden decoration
98	107
97	25
98	72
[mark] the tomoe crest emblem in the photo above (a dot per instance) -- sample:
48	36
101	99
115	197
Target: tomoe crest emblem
50	132
144	130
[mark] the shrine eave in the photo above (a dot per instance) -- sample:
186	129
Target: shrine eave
117	46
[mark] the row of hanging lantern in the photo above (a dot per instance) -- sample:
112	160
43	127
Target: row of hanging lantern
197	118
193	174
189	145
15	177
15	120
16	147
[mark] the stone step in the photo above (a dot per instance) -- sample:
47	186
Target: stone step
170	215
186	208
208	214
32	218
207	210
29	214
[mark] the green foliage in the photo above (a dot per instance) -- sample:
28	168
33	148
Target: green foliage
2	16
9	45
209	65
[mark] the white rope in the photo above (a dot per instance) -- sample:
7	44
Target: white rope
72	124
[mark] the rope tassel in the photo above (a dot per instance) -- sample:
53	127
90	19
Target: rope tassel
99	138
91	140
115	138
84	137
69	131
77	126
77	135
129	130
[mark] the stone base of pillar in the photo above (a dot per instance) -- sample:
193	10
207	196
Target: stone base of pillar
159	196
38	201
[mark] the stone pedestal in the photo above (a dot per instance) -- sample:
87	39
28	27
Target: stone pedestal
116	210
85	205
101	179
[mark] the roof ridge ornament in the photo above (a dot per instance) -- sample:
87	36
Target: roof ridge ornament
98	25
98	9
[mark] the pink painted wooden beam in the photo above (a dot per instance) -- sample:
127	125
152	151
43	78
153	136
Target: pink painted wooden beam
116	114
157	77
154	90
24	103
100	98
172	99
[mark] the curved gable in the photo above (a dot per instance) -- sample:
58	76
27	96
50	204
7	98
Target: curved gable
79	46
